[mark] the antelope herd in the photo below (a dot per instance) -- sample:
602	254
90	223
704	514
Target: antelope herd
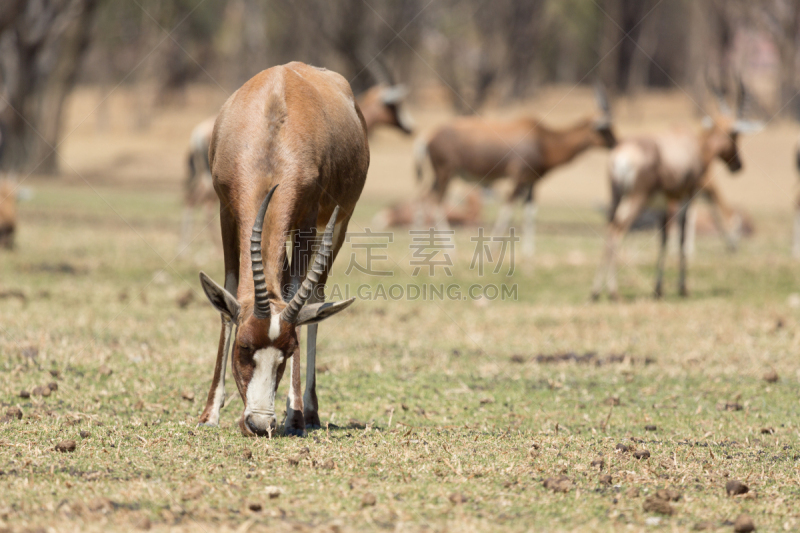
286	160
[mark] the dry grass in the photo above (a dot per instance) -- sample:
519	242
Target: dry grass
441	416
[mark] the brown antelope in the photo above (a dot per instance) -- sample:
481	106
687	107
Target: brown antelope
292	140
484	151
675	165
8	213
381	105
403	214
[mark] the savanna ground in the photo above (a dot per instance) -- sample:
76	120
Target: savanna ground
441	415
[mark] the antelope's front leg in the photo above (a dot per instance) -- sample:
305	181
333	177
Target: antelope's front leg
295	422
310	405
682	221
216	395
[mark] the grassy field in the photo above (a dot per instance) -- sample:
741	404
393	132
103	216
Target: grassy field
444	415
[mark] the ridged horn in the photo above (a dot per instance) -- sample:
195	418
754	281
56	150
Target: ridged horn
261	305
321	260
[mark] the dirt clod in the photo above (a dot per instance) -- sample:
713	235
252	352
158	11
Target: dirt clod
733	406
558	484
329	464
668	495
656	505
770	376
55	373
24	394
255	507
519	359
767	431
368	500
14	412
247	455
188	395
66	446
53	386
704	526
632	492
141	522
734	487
599	463
622	448
358	482
606	479
641	454
650	428
457	498
744	524
613	401
272	492
85	434
100	505
193	492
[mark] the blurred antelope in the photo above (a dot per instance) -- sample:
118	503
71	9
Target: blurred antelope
483	151
293	141
381	105
8	212
676	165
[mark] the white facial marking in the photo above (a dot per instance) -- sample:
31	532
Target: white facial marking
261	389
274	326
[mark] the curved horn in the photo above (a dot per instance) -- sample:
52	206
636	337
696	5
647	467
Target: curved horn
261	305
312	278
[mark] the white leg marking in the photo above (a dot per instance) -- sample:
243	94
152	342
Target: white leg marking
529	223
219	392
503	220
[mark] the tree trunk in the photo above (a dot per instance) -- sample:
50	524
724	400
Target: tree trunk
39	58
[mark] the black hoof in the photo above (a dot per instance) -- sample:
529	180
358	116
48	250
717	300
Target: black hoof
312	427
294	432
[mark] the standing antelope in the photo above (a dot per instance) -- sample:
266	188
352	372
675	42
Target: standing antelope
8	213
675	164
294	137
381	105
483	150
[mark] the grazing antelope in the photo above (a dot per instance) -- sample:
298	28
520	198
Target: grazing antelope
293	141
403	214
8	213
676	165
381	105
484	151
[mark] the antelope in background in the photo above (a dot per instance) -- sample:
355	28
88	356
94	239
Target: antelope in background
381	105
676	165
8	212
484	150
294	137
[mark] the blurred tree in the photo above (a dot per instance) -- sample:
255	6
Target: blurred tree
40	52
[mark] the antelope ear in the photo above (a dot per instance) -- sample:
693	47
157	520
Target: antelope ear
222	300
314	313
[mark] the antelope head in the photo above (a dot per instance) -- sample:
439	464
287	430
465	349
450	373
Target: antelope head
263	337
602	124
722	133
383	104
